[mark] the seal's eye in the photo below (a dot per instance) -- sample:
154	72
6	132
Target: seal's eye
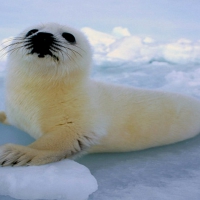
31	32
69	37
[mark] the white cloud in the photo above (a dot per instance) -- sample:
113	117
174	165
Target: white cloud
98	38
148	40
100	42
183	52
120	32
184	41
127	47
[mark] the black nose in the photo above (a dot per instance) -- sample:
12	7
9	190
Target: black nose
43	38
44	35
41	43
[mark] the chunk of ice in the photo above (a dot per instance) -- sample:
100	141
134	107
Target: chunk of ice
64	180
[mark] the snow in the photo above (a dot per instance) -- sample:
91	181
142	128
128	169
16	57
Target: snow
168	172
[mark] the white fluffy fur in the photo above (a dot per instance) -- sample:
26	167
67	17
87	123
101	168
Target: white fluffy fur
68	113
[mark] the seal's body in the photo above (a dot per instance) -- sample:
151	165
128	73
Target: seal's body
49	95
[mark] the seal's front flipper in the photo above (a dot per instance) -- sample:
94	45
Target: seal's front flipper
49	148
16	155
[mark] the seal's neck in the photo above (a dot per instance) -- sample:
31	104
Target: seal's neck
43	77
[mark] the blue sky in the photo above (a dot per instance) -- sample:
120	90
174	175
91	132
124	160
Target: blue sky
160	19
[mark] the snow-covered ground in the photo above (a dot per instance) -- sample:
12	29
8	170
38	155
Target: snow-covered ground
168	172
59	180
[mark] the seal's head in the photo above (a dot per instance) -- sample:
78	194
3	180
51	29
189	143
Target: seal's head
50	49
